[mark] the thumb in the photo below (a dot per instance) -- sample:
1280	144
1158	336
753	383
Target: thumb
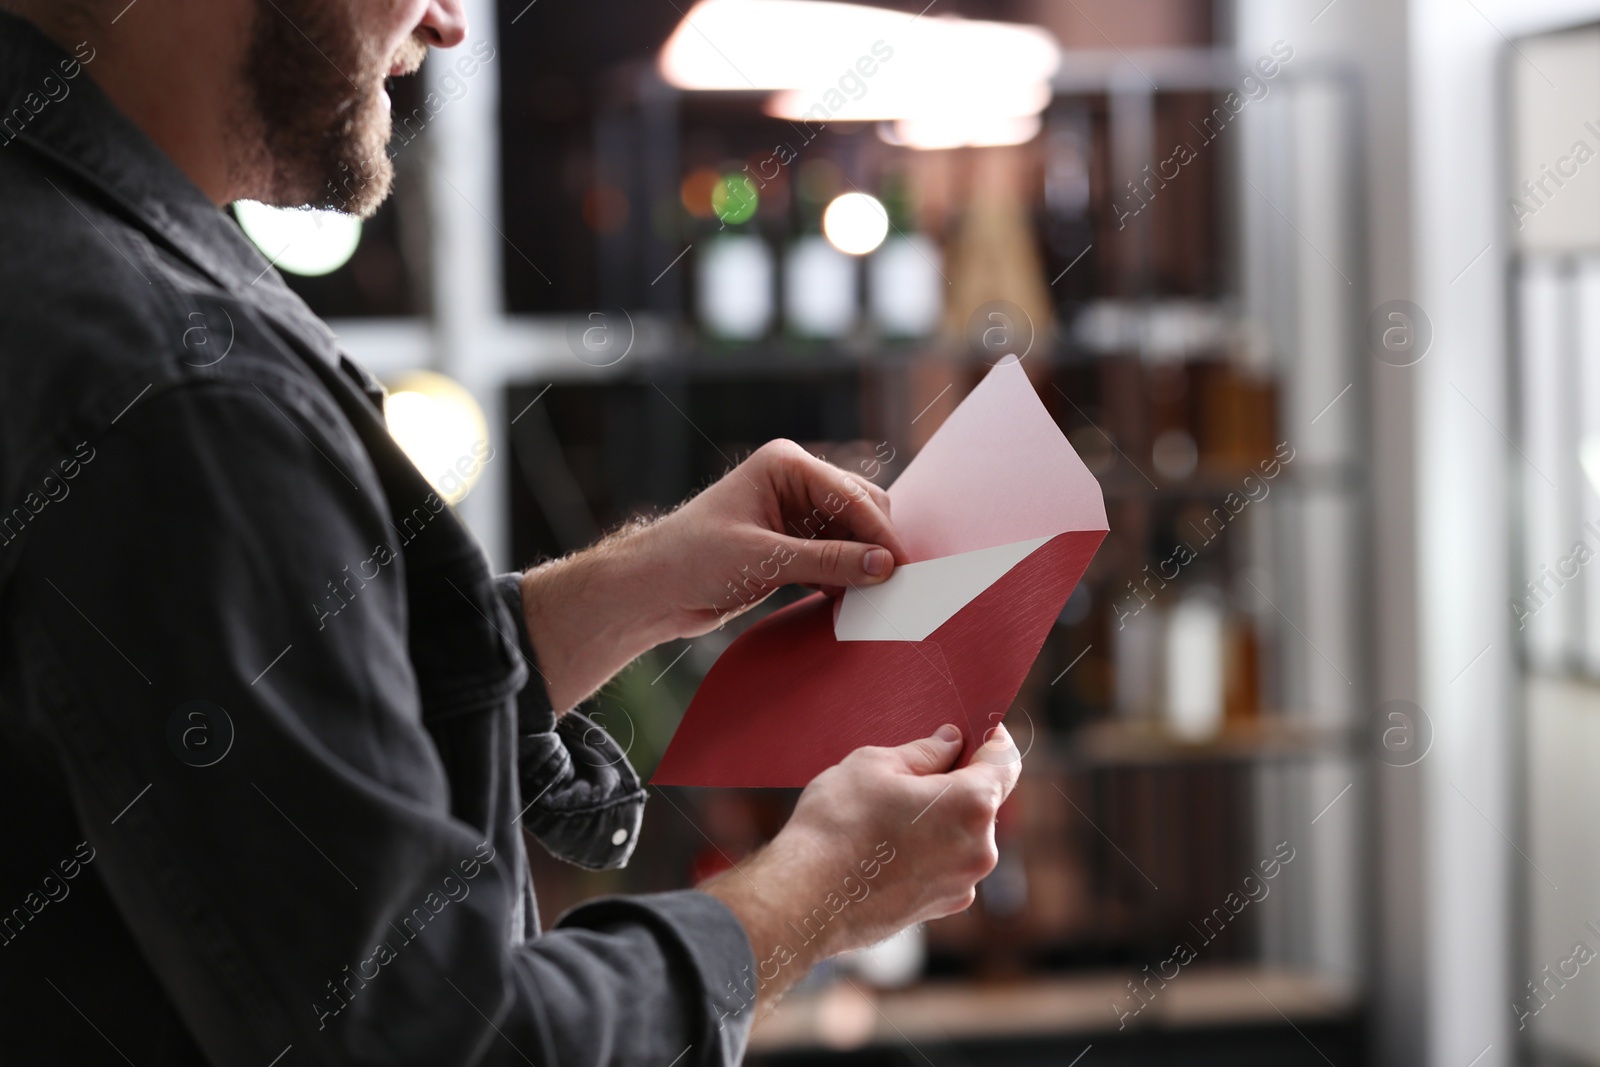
998	759
932	755
837	563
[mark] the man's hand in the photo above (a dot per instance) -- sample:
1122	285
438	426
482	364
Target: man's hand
887	838
780	517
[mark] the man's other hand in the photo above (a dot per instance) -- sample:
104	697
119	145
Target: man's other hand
886	838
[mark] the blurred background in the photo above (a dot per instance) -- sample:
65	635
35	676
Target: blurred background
1311	287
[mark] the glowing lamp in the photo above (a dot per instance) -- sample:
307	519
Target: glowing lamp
947	81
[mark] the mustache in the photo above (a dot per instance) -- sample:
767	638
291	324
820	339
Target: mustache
408	59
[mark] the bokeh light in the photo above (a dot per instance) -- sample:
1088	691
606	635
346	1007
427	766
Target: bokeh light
301	241
734	199
696	190
855	223
440	426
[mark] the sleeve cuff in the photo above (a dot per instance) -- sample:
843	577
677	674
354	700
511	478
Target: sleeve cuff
587	803
710	941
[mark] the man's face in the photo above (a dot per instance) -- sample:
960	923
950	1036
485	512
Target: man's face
314	83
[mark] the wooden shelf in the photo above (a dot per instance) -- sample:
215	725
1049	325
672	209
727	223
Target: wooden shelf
850	1015
1271	737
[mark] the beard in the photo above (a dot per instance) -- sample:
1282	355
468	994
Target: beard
315	109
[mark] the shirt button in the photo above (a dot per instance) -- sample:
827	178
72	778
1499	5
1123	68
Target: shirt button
619	837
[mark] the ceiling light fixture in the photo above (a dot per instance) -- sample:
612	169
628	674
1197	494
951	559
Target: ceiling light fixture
944	82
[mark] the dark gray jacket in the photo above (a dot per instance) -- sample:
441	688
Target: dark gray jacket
268	728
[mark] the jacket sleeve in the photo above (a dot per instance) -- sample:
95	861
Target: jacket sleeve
586	803
302	882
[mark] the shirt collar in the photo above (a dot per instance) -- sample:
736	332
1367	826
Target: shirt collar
48	94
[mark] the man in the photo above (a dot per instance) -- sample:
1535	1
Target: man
242	827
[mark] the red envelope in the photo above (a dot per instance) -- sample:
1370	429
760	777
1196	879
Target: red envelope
1000	518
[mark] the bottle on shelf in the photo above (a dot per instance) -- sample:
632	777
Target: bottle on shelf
734	287
734	266
1243	671
821	290
1195	652
905	289
1137	639
995	271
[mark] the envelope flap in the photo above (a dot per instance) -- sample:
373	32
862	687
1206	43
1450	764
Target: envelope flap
997	472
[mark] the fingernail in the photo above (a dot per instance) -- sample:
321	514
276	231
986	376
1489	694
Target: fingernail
948	732
876	561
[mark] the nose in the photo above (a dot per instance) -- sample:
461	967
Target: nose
444	24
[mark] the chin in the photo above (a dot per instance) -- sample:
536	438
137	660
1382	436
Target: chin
357	175
321	137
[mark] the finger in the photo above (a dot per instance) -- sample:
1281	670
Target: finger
998	759
846	505
865	517
932	755
880	496
826	562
